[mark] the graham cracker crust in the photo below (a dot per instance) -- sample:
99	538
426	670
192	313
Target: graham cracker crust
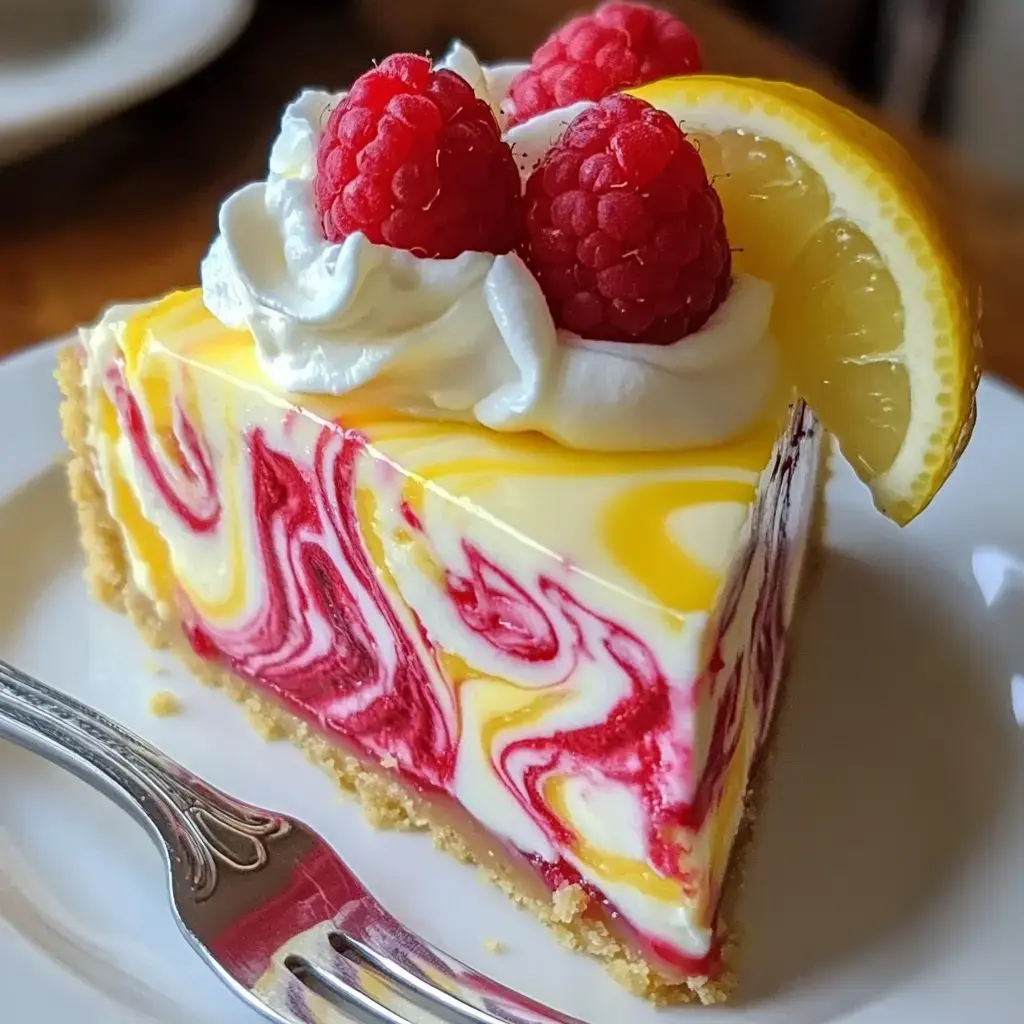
386	801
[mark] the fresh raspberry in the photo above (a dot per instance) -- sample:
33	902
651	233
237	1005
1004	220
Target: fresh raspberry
623	230
618	46
412	159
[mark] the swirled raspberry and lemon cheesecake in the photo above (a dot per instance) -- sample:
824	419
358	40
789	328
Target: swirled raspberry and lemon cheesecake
484	462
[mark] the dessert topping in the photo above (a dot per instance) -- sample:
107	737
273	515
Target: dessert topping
413	159
470	336
619	45
624	232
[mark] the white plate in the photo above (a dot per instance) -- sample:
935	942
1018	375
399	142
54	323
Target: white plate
887	885
67	63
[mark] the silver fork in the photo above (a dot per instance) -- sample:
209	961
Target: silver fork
270	907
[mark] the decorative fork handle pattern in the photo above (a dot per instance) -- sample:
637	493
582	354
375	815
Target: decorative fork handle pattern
208	836
194	823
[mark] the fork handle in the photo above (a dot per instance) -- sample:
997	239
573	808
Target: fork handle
192	822
201	830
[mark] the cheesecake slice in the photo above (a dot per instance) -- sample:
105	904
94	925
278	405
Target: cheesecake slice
564	664
480	464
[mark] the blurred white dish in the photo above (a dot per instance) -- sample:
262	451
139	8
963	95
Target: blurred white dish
67	63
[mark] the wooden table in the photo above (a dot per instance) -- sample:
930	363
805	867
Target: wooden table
127	210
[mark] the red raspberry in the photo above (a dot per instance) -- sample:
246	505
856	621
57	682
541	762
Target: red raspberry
411	158
623	230
619	45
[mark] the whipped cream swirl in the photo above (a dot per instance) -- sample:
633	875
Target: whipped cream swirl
471	338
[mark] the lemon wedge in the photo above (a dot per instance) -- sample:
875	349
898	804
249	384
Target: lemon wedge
871	313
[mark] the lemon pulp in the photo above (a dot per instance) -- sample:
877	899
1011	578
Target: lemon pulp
871	315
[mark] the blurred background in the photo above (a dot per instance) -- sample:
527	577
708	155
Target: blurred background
951	66
123	122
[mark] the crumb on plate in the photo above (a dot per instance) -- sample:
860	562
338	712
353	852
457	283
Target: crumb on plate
163	704
494	946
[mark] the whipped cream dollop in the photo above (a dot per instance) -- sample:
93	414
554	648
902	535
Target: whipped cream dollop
471	338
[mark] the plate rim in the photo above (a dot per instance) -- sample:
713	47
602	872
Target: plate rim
225	21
